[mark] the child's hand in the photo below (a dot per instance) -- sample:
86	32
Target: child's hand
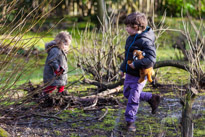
59	71
132	65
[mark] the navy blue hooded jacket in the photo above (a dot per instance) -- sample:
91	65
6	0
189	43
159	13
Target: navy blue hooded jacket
145	43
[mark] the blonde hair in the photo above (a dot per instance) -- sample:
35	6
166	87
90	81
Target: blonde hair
137	20
62	36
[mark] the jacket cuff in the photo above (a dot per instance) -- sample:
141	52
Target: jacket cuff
121	70
56	67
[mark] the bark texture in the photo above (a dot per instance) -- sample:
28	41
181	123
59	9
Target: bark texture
187	117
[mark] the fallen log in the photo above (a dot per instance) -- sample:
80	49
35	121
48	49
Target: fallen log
86	102
104	93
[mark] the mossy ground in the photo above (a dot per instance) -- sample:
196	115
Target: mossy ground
76	122
4	133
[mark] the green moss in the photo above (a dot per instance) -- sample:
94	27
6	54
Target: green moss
74	135
108	122
57	132
64	116
199	129
169	120
74	125
4	133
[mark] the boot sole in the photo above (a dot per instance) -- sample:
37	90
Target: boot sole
131	130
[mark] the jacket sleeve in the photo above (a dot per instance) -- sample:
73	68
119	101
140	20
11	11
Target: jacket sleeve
150	56
123	66
53	58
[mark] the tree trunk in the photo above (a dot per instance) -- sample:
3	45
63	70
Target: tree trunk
140	6
187	124
187	118
102	13
67	7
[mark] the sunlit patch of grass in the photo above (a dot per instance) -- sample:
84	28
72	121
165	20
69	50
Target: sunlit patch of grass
36	77
172	75
199	133
167	54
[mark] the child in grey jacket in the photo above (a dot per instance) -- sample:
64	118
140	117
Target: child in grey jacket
56	68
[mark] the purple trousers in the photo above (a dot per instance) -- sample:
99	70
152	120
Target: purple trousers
133	92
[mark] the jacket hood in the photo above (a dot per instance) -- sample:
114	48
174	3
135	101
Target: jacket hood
149	34
49	45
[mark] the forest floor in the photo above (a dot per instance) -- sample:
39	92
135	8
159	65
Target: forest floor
104	120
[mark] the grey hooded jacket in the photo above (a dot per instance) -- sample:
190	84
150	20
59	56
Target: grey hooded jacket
56	58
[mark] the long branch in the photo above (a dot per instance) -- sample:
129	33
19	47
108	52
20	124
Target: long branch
172	63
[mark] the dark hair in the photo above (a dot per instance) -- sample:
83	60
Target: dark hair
136	20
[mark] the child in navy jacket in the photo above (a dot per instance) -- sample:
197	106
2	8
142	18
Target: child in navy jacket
141	38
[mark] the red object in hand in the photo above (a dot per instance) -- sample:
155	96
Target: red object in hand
61	89
59	71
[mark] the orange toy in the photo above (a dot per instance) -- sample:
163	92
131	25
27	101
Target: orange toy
138	54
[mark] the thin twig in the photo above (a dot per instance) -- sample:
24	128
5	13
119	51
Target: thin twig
93	105
106	111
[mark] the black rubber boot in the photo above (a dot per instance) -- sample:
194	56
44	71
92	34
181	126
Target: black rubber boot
154	103
131	126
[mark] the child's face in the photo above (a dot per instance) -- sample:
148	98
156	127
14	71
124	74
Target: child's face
66	45
131	30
